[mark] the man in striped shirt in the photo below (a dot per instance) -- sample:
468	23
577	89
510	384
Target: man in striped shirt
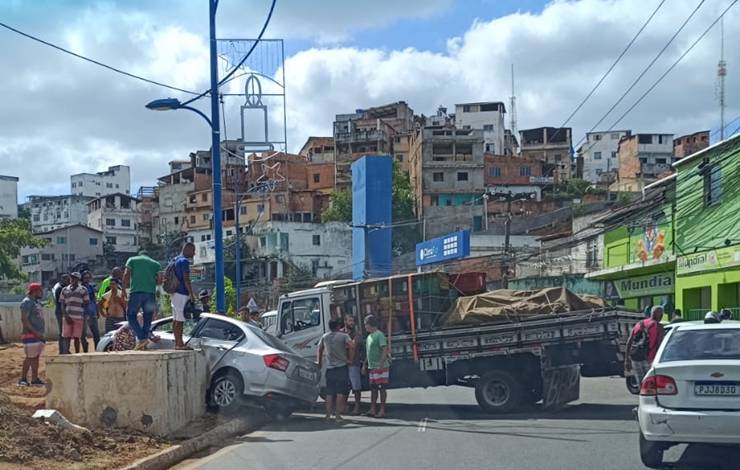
74	298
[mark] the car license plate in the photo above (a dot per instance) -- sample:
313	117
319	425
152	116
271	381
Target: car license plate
727	389
306	374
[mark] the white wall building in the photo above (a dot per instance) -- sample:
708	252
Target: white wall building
65	247
600	153
116	216
485	116
323	249
8	197
117	179
52	212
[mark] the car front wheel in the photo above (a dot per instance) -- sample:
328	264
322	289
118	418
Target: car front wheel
651	453
226	392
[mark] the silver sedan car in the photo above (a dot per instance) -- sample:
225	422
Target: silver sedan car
246	365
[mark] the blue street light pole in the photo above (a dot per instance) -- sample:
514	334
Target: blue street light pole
167	104
216	162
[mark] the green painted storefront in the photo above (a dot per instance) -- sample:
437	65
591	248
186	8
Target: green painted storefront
708	230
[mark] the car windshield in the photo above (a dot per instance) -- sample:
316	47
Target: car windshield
689	345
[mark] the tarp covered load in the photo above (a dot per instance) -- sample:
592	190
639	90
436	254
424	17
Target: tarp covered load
510	305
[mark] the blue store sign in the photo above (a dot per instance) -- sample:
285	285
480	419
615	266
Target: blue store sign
452	246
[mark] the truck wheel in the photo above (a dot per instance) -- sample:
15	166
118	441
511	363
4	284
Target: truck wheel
651	453
632	386
498	392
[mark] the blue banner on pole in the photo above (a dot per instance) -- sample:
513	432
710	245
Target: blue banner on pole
451	246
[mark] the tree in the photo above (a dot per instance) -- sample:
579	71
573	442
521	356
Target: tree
230	294
405	237
14	235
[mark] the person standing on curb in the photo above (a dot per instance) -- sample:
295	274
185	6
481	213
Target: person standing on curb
643	344
33	334
91	314
142	277
112	300
337	346
56	291
376	366
355	369
183	294
73	297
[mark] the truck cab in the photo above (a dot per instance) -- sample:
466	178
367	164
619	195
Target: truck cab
303	318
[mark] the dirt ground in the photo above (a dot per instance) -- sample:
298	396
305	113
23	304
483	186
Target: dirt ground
27	443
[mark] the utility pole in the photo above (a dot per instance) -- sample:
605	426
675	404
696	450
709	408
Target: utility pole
721	74
507	236
216	162
513	109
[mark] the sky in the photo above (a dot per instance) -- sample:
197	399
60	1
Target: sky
63	116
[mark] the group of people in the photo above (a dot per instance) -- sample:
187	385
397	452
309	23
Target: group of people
348	356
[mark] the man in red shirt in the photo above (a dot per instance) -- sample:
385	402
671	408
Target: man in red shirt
638	365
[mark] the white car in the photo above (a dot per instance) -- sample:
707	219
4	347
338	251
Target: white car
692	392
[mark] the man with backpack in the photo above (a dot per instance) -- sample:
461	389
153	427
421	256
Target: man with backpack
643	344
177	284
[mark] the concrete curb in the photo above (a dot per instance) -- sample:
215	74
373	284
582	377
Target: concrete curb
177	453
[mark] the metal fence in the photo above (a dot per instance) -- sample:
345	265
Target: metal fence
700	313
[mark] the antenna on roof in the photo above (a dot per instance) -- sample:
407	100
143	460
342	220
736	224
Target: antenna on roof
513	110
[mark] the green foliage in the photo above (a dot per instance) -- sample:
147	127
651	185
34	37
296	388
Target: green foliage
15	234
298	277
340	209
230	292
574	187
24	212
404	238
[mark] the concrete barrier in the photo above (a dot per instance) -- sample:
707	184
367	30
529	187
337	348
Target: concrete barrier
157	391
10	322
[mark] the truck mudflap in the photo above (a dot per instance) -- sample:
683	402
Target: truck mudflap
560	385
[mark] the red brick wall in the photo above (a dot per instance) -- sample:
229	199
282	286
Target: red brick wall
510	169
325	172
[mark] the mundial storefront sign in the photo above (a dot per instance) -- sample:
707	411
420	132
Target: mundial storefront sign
719	258
451	246
640	286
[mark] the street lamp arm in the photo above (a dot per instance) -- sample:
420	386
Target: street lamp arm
199	113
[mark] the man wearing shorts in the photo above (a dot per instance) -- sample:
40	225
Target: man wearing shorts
337	347
142	276
355	369
57	293
183	294
32	335
376	365
74	298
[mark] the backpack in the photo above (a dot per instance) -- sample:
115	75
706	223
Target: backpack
171	282
640	344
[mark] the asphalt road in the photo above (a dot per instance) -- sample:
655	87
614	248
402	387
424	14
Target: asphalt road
442	428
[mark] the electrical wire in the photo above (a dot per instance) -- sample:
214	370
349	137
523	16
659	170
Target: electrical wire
614	64
244	59
645	70
93	61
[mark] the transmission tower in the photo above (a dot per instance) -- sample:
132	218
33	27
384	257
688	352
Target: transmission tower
514	133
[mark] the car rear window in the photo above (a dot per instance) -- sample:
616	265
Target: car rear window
270	340
688	345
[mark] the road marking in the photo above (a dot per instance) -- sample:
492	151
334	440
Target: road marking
422	426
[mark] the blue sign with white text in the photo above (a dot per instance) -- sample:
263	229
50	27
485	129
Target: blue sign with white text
451	246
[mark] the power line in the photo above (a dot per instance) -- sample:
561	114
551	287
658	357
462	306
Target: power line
646	69
614	64
680	58
244	59
93	61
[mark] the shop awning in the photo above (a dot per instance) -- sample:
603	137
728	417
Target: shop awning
634	269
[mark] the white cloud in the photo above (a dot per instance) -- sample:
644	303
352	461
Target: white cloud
63	116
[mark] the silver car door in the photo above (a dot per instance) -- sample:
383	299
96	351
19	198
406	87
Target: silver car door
216	339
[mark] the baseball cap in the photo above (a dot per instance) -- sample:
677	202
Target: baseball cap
34	286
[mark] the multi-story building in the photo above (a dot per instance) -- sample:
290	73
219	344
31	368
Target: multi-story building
172	192
485	116
148	208
504	174
52	212
689	144
117	179
447	167
325	250
318	149
401	149
599	153
117	216
8	197
65	248
368	132
552	146
643	158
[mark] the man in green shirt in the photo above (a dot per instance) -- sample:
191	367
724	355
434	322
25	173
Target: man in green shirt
376	365
142	277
